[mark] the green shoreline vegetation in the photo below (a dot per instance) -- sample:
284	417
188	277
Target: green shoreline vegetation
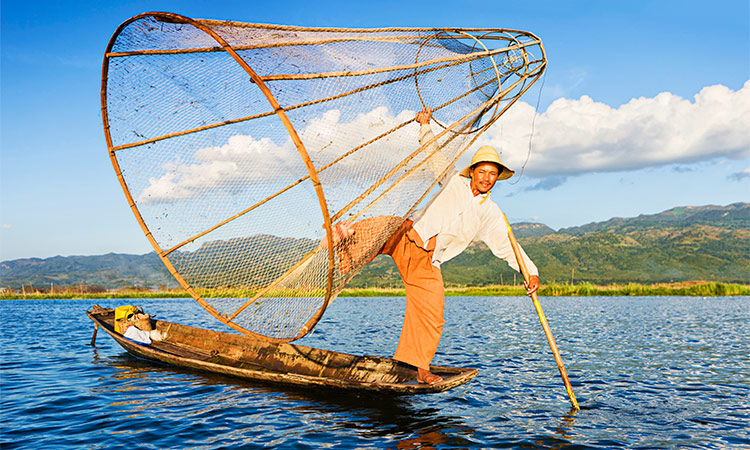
690	288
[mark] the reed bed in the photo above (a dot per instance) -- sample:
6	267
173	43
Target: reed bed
688	288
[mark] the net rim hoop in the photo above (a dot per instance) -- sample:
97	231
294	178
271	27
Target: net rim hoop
494	65
177	18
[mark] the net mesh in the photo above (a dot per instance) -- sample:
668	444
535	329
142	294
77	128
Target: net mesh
240	146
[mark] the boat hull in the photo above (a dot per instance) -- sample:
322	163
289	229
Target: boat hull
287	364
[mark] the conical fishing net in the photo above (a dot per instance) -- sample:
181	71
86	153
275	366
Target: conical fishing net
241	146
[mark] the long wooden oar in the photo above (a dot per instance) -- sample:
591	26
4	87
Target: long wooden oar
538	307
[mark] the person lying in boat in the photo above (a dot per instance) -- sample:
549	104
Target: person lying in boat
135	325
460	213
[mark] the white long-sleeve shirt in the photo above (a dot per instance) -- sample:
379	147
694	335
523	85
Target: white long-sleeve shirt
458	218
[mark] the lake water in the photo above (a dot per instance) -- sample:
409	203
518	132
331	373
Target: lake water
654	372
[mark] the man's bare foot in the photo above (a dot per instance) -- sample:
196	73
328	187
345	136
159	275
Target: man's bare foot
424	376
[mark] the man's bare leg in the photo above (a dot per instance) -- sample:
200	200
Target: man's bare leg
341	231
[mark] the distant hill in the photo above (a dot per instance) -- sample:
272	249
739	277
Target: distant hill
112	270
732	217
686	243
528	229
119	271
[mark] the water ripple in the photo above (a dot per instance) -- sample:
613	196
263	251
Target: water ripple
648	373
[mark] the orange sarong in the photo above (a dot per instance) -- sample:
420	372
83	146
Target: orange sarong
425	296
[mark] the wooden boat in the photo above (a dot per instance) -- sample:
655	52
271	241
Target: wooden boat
245	357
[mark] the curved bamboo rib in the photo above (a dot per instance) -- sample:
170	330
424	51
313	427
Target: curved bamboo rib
266	26
139	218
356	73
497	73
291	43
303	154
293	135
306	42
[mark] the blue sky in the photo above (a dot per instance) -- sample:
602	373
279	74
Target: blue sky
59	195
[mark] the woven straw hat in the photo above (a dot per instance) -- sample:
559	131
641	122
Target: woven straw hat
487	153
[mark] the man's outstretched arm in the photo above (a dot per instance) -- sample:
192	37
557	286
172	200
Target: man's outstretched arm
437	161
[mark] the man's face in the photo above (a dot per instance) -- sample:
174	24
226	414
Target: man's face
483	177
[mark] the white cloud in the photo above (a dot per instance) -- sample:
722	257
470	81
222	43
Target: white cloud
579	136
571	137
327	137
246	160
218	168
6	226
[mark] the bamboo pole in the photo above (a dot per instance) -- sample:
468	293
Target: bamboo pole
290	43
356	73
540	313
266	26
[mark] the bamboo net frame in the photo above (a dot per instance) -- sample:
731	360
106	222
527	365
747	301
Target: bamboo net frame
238	146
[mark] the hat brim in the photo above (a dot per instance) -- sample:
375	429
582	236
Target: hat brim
505	172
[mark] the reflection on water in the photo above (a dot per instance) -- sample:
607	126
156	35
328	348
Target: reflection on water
380	414
653	372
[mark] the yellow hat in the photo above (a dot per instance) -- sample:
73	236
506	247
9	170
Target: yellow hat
487	153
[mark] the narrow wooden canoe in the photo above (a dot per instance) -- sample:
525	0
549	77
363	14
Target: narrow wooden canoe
249	358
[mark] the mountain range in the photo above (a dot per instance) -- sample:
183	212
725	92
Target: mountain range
686	243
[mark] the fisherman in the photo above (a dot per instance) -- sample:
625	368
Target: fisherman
460	213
